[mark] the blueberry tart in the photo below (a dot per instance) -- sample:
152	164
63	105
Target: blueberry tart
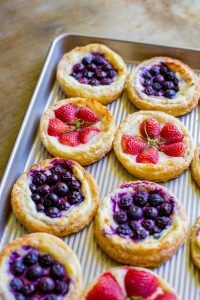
93	71
195	166
153	146
195	242
78	129
125	282
56	196
140	223
164	84
39	266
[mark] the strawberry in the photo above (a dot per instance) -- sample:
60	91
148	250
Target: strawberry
139	283
57	127
166	296
176	149
87	115
66	112
70	139
106	288
87	133
150	128
148	155
171	134
132	144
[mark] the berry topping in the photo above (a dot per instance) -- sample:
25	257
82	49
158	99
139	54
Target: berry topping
61	189
51	200
175	150
155	199
28	289
135	213
87	115
46	260
53	212
148	156
19	296
75	198
46	285
66	113
57	127
171	134
166	296
163	222
139	233
34	272
57	270
148	225
150	128
125	202
132	145
31	258
151	212
141	198
123	229
165	209
61	287
87	133
44	189
39	178
16	284
120	217
70	139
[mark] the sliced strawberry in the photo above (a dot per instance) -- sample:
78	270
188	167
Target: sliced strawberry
140	283
148	156
57	127
106	288
132	144
171	134
150	128
87	115
67	112
176	149
70	139
87	133
166	296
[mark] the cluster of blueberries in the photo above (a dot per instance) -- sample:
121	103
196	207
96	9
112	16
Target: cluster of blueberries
94	70
159	80
55	190
37	276
143	214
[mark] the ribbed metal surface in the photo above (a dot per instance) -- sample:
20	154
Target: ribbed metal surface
179	271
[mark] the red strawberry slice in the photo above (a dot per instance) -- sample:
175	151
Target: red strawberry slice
171	134
67	112
140	283
176	149
70	139
87	115
150	128
132	144
57	127
87	133
106	288
148	156
166	296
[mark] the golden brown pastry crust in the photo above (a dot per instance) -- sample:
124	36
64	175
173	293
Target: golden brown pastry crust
103	93
147	253
195	242
195	166
84	154
74	220
184	102
49	244
119	274
169	167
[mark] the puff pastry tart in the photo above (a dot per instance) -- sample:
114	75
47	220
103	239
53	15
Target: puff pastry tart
195	166
39	266
195	242
140	223
153	146
164	84
93	71
56	196
78	129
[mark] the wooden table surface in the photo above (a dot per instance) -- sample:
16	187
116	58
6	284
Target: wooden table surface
28	27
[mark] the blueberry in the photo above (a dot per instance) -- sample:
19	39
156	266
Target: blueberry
61	287
168	85
165	209
64	205
156	231
33	188
51	199
151	212
53	212
92	67
170	94
148	225
77	75
75	198
134	224
46	285
78	67
141	198
52	179
146	74
33	298
57	170
120	217
140	233
87	60
147	82
159	78
155	199
155	70
156	86
75	185
88	74
66	176
149	91
40	207
84	80
125	202
112	73
39	179
51	297
135	213
57	271
163	222
101	74
124	229
34	272
16	284
164	69
36	198
18	267
46	260
28	289
44	189
106	81
94	82
61	189
175	81
19	296
170	75
107	67
98	60
31	258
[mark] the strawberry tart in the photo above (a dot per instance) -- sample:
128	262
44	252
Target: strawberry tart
140	223
56	196
195	242
123	283
164	84
79	129
93	71
153	146
39	266
195	166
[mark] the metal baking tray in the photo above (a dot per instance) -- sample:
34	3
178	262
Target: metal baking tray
179	271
